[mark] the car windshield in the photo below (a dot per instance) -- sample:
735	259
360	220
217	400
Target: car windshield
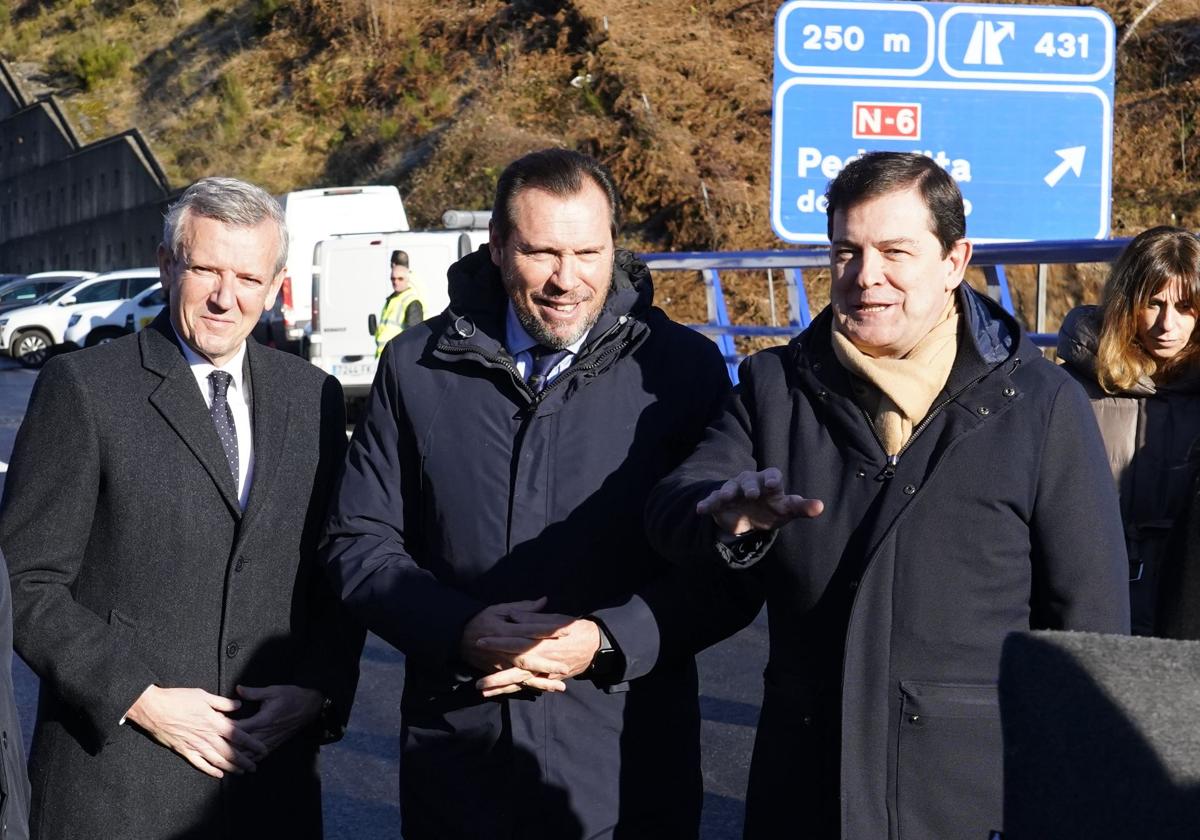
18	291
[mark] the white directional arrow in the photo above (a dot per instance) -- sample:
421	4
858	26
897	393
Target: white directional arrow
1006	29
1072	158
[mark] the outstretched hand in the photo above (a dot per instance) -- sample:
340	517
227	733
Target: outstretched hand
755	501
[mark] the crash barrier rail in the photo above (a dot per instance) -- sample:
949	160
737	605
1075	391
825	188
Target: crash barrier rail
789	267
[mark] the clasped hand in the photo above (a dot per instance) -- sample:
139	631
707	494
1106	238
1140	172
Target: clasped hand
755	501
518	646
197	726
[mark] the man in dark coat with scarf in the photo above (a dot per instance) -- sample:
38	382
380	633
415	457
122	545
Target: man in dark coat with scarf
160	520
489	525
954	490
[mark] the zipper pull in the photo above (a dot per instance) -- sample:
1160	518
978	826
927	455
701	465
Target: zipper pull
889	468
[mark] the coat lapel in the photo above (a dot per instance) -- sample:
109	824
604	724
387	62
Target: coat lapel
178	399
270	415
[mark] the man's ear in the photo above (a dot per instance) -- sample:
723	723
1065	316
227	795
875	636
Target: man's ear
273	289
958	258
166	262
495	244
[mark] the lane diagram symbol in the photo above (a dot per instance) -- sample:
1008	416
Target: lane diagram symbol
984	46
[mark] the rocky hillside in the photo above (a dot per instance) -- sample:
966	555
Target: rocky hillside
674	95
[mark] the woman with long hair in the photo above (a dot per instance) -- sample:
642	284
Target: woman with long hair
1136	355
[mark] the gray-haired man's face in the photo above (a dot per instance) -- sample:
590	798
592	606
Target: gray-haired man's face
222	284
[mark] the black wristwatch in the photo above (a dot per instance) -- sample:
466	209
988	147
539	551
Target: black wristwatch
608	662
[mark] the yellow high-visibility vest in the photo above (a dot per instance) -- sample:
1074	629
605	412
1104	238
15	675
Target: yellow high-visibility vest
391	320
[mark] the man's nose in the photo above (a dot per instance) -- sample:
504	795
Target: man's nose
870	268
224	294
566	273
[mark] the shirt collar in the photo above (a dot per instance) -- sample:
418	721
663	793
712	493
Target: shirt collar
518	340
202	367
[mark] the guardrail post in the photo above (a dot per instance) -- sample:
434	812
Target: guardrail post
798	312
718	316
998	286
1043	277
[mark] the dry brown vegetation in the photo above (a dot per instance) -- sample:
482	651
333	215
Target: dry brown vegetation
674	95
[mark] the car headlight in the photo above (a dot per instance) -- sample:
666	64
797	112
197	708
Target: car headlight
3	322
74	319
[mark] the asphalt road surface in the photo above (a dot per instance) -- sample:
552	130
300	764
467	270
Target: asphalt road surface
361	773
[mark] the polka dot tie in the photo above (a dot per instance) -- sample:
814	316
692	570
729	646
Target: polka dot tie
222	417
545	359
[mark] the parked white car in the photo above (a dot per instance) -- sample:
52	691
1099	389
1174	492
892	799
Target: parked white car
90	327
26	291
29	334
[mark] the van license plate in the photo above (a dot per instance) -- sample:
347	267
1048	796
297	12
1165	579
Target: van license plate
356	369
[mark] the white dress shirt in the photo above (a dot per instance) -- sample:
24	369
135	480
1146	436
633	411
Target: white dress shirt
236	396
519	344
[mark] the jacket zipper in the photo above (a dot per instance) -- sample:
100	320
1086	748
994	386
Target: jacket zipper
505	363
893	461
591	365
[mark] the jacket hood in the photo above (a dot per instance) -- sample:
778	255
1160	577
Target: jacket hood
477	293
473	325
995	332
1079	344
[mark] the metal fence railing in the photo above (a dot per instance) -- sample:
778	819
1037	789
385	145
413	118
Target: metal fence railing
791	265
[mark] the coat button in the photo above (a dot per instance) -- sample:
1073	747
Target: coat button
4	739
909	489
853	585
861	473
237	567
915	720
816	366
822	394
806	720
1010	391
984	410
231	649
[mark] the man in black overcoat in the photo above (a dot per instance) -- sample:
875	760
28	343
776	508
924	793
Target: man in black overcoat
160	520
489	525
957	491
14	781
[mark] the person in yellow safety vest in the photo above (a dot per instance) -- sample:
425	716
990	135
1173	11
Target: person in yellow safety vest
402	309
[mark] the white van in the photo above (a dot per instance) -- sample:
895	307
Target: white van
314	215
350	282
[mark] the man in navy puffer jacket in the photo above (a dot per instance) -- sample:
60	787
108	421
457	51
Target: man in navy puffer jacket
489	525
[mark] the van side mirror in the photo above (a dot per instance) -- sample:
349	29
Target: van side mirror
372	323
67	301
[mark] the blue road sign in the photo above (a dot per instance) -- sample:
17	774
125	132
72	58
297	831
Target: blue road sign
1015	102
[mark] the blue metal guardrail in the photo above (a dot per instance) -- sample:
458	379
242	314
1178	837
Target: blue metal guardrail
792	264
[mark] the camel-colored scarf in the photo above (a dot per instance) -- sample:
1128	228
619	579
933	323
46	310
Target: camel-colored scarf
898	393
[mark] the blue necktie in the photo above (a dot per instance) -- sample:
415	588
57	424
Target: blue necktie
545	359
222	417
